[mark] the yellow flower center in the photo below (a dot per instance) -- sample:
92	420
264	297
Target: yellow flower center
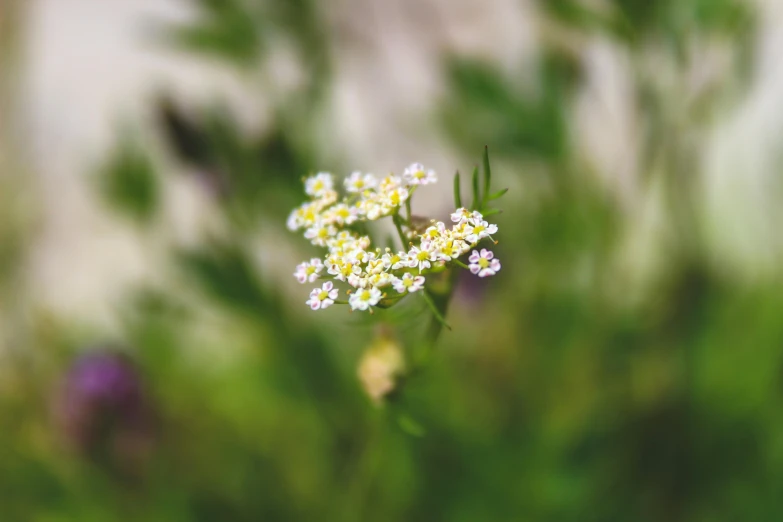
407	282
483	262
478	229
422	255
365	295
323	295
310	270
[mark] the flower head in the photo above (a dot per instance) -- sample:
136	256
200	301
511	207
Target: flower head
364	298
408	283
323	297
483	264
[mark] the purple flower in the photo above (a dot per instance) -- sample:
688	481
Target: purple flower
103	409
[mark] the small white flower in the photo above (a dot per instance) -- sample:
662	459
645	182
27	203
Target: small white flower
421	257
451	249
408	283
320	234
342	270
365	298
394	198
319	185
416	174
483	264
436	231
390	183
480	230
461	215
323	297
358	182
309	272
341	214
392	261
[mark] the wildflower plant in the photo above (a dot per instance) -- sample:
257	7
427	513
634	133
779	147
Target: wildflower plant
370	276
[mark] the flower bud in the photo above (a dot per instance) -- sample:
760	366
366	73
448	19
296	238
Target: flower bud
380	367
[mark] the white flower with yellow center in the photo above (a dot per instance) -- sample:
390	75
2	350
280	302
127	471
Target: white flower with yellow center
390	183
480	230
375	265
323	297
342	270
320	234
304	216
422	257
461	230
436	231
380	279
319	185
341	214
364	298
394	198
483	264
408	283
394	261
416	174
309	272
451	249
358	182
461	215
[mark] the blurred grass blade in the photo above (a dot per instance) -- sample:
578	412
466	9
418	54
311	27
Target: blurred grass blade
457	196
487	175
476	193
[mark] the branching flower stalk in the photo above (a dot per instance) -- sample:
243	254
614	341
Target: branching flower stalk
378	277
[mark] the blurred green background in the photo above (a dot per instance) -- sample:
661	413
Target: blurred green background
625	365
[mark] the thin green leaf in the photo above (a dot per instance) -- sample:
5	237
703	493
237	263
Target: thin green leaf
491	212
476	193
497	195
457	196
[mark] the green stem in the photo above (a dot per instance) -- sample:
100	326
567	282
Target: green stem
396	219
460	263
434	309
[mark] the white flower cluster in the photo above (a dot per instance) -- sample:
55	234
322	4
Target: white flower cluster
351	258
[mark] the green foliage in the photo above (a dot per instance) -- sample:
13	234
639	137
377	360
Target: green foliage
129	182
226	30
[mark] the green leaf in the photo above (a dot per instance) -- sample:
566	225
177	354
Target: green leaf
457	196
476	192
497	195
492	212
